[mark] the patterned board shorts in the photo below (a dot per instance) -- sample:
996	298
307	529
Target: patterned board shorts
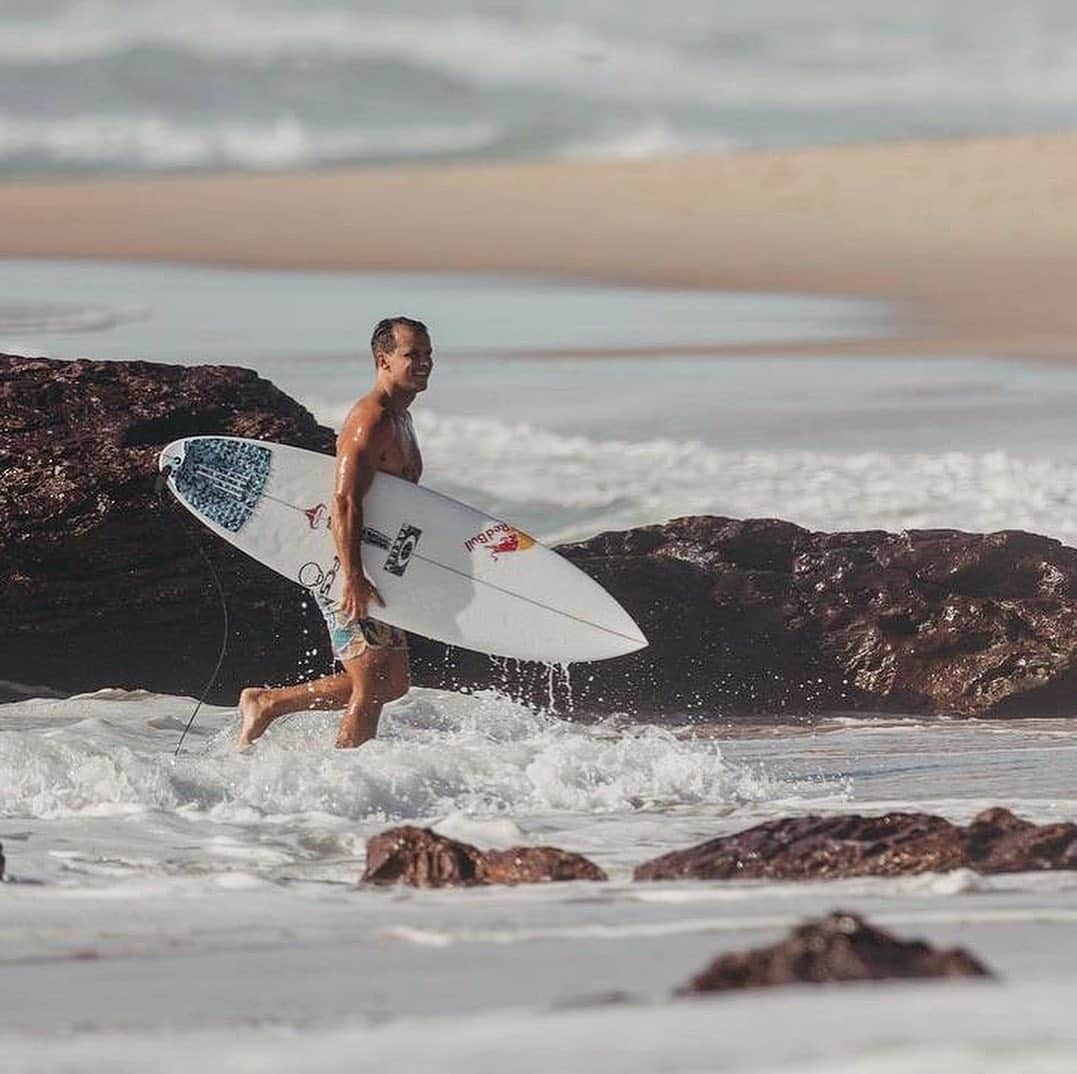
350	638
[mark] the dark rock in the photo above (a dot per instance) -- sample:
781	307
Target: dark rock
763	617
2	861
537	865
95	567
424	859
999	842
840	947
805	848
421	858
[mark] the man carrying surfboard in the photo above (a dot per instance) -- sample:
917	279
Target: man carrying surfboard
377	435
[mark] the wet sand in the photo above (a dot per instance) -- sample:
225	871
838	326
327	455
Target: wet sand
976	237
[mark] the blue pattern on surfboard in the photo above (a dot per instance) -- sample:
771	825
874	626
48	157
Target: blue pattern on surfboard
223	479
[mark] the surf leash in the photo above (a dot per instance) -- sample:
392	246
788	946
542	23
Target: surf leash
159	485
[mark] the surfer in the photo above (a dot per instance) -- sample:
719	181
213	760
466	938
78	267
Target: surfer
377	435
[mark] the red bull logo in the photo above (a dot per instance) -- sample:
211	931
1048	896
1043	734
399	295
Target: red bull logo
500	539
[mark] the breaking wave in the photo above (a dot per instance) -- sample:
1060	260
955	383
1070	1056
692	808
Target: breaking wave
254	84
567	486
437	754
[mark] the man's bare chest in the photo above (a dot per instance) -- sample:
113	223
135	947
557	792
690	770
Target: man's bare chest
401	456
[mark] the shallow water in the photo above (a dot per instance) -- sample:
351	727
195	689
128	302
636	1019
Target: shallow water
306	324
291	810
155	901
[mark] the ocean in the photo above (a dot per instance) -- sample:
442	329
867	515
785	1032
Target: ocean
108	86
165	910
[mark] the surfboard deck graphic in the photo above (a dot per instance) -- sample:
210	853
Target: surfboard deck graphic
445	570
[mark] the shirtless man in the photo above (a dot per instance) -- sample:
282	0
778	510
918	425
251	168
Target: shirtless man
377	435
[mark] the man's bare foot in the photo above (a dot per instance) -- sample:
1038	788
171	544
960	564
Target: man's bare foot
350	741
353	733
255	714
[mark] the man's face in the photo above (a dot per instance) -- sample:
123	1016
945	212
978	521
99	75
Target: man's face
411	361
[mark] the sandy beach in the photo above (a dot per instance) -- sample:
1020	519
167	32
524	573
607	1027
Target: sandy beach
975	237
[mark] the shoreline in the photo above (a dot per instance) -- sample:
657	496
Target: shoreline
972	239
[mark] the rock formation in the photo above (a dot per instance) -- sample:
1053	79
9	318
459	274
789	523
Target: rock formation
424	859
763	617
823	848
102	582
758	617
840	947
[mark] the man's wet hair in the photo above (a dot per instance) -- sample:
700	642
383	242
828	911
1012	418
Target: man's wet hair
383	341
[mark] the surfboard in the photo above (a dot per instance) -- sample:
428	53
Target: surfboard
445	570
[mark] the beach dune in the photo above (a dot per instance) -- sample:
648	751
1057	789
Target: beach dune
974	237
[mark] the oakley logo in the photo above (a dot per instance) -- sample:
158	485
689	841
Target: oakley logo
403	547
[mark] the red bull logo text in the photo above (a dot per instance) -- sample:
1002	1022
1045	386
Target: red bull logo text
499	539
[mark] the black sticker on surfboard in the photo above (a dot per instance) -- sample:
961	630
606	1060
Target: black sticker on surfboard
403	546
223	479
375	537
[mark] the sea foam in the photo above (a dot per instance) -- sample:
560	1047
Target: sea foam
581	484
437	754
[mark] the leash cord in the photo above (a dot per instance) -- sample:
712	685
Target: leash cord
162	479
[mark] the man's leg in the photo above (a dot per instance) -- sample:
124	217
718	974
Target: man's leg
378	676
260	706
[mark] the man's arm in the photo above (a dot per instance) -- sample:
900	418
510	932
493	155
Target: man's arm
359	446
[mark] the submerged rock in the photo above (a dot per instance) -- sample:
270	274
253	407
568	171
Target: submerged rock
839	947
807	848
758	617
424	859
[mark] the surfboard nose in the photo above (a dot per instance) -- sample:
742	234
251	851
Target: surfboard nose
629	636
618	634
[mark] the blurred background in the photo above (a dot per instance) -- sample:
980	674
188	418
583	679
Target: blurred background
91	87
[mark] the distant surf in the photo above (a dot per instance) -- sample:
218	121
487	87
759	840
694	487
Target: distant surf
95	87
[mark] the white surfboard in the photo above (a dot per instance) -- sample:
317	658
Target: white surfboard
445	570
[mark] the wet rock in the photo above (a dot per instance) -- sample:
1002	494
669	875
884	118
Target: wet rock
424	859
840	947
421	858
807	848
537	865
999	842
95	567
761	617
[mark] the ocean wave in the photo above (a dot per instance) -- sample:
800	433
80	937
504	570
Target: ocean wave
776	54
98	84
25	318
651	139
438	754
569	486
287	141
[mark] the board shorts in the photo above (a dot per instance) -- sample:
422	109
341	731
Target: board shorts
351	638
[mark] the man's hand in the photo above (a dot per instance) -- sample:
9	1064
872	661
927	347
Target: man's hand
357	593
